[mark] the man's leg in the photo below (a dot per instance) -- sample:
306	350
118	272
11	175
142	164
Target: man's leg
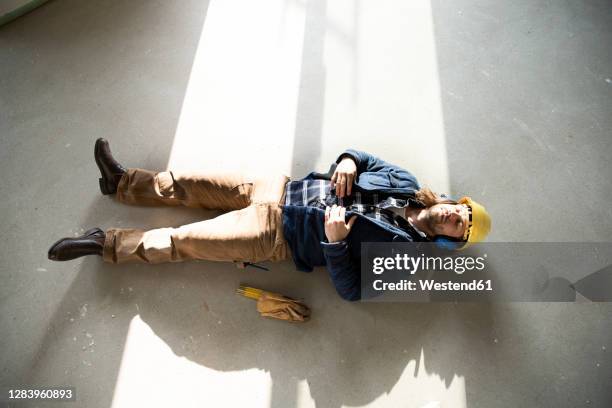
228	237
252	234
223	191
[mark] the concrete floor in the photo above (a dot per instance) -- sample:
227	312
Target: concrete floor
510	102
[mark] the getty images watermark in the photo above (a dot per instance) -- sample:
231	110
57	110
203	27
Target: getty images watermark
421	263
490	272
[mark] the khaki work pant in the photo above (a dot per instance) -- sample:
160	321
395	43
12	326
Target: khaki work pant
251	230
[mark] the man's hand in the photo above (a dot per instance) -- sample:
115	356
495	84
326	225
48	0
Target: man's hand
336	229
344	176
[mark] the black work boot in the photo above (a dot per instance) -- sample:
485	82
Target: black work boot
90	243
110	169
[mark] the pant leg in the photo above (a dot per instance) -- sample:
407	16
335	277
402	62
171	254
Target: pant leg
252	234
222	191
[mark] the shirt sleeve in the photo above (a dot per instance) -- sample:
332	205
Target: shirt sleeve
365	161
344	272
368	163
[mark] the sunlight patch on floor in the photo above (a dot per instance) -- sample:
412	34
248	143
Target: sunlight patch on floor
151	375
382	86
240	103
422	390
285	85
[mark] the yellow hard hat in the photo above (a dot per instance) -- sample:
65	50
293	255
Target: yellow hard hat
481	222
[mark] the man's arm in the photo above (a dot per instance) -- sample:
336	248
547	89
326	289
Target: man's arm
343	272
365	161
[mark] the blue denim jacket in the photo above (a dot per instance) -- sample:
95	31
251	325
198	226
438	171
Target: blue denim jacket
304	227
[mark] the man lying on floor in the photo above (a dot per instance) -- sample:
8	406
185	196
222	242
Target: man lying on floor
319	220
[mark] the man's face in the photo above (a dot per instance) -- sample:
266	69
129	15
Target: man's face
449	219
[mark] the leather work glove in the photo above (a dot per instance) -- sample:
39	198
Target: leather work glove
283	308
277	306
